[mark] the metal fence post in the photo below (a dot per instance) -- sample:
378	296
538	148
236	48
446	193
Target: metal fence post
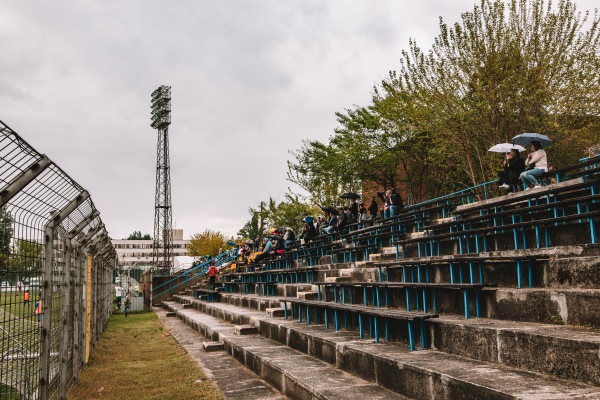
47	292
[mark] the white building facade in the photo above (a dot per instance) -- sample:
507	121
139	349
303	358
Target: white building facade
138	253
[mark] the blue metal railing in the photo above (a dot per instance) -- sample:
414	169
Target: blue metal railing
182	280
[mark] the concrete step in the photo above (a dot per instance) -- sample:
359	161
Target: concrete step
564	351
425	374
242	330
571	352
213	346
295	374
544	305
308	295
235	381
275	312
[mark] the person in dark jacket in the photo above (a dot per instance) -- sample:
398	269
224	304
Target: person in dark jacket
396	203
354	211
308	230
332	226
373	208
514	165
343	219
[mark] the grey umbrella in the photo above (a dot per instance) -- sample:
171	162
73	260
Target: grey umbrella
525	139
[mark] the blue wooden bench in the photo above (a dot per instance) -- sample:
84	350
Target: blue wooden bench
375	315
371	292
207	294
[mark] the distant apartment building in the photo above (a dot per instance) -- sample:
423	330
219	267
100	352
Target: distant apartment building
138	253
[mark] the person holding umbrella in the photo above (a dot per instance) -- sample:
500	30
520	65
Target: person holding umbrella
514	165
536	165
354	211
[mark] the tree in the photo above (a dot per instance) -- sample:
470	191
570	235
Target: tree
27	258
525	66
507	69
270	215
206	243
6	232
137	235
289	213
251	229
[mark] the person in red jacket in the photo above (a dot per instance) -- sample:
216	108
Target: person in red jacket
212	274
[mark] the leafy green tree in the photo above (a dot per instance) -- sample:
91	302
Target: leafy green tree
320	170
6	232
27	260
505	69
137	235
206	243
289	212
272	214
525	66
251	229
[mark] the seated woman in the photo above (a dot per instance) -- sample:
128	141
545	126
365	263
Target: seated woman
266	251
332	226
537	164
514	165
308	230
289	237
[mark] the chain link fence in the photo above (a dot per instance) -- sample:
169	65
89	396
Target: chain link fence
56	269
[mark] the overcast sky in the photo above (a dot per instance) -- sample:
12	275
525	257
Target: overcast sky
250	80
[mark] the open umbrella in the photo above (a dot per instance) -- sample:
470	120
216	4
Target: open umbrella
350	195
329	209
308	220
231	243
505	147
525	139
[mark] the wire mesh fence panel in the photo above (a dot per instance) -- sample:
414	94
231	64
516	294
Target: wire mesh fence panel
53	250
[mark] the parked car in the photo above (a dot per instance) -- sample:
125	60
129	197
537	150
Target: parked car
31	282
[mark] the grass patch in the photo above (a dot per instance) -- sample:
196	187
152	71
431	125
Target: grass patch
137	358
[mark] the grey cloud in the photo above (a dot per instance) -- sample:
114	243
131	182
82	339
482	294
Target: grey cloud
250	80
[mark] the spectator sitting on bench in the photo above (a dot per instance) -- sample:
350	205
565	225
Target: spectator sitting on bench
289	237
332	226
343	219
362	213
309	232
373	208
396	203
278	242
514	165
537	164
266	252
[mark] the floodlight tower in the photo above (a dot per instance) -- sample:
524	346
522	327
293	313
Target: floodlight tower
163	234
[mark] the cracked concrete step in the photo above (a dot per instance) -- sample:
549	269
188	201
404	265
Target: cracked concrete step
295	374
438	374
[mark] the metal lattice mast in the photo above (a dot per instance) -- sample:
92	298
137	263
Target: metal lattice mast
163	233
